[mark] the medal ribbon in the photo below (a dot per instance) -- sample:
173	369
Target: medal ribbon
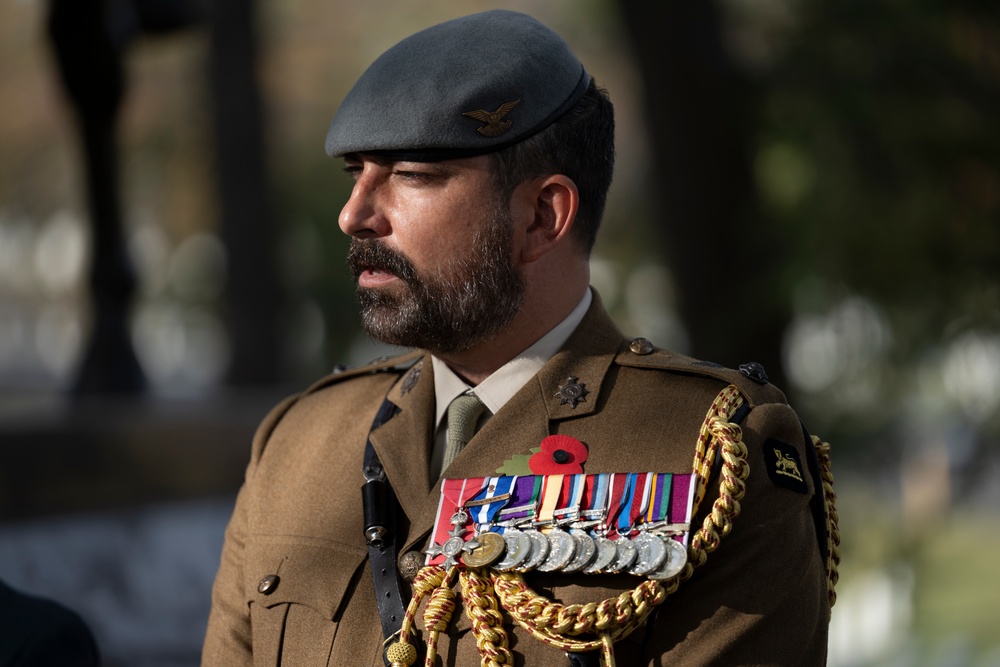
551	491
483	507
619	498
597	496
578	489
589	487
660	503
572	495
523	499
643	489
628	506
681	501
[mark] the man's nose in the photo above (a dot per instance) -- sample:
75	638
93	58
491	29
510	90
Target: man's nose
361	216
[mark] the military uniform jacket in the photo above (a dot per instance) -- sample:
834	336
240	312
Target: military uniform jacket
760	599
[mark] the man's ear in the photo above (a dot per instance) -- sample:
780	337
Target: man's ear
555	201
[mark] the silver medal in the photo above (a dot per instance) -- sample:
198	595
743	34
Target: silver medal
454	545
652	554
585	551
627	553
539	550
562	548
674	563
606	554
518	547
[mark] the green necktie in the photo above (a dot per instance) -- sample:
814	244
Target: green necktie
463	413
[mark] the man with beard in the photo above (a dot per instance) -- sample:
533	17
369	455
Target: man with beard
481	153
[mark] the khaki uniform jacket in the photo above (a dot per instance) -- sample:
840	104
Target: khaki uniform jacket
759	600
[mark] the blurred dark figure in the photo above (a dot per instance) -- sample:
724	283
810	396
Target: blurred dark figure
89	38
42	633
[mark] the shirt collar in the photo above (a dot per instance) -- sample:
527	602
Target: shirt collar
507	380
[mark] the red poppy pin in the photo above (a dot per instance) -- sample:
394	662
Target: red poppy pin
558	455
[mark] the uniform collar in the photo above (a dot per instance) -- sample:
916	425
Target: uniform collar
507	380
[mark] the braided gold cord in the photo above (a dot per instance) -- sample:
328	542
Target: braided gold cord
487	622
607	651
554	619
556	625
402	653
605	622
718	435
437	615
724	405
726	507
439	609
832	518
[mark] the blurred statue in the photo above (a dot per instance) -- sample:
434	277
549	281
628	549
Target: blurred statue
89	38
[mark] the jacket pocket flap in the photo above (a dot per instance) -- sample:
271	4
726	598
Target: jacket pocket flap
282	570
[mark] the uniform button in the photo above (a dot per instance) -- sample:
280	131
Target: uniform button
755	372
409	564
268	584
640	346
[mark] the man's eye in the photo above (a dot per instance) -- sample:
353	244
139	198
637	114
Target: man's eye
418	175
414	175
352	169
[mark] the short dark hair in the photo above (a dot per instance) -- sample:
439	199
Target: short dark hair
581	145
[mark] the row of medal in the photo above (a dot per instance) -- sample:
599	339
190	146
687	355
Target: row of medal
635	523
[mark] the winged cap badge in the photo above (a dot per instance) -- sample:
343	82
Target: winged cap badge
493	119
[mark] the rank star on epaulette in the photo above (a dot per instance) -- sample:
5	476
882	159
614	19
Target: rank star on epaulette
572	392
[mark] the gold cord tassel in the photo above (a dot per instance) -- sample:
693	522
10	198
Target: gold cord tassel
402	653
437	615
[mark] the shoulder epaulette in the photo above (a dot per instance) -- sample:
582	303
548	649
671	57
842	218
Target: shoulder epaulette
377	366
750	378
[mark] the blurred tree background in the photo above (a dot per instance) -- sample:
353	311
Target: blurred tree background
812	185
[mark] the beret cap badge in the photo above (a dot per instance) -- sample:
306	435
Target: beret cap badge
495	125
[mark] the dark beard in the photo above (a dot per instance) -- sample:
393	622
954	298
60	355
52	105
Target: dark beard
464	303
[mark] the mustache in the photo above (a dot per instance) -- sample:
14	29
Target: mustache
374	255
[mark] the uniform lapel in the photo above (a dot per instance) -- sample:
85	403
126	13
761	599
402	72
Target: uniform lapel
586	357
403	444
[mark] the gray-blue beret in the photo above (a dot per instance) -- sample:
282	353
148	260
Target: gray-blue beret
465	87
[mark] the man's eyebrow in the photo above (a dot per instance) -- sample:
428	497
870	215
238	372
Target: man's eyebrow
437	167
360	157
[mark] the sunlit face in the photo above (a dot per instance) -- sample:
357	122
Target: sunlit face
431	251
